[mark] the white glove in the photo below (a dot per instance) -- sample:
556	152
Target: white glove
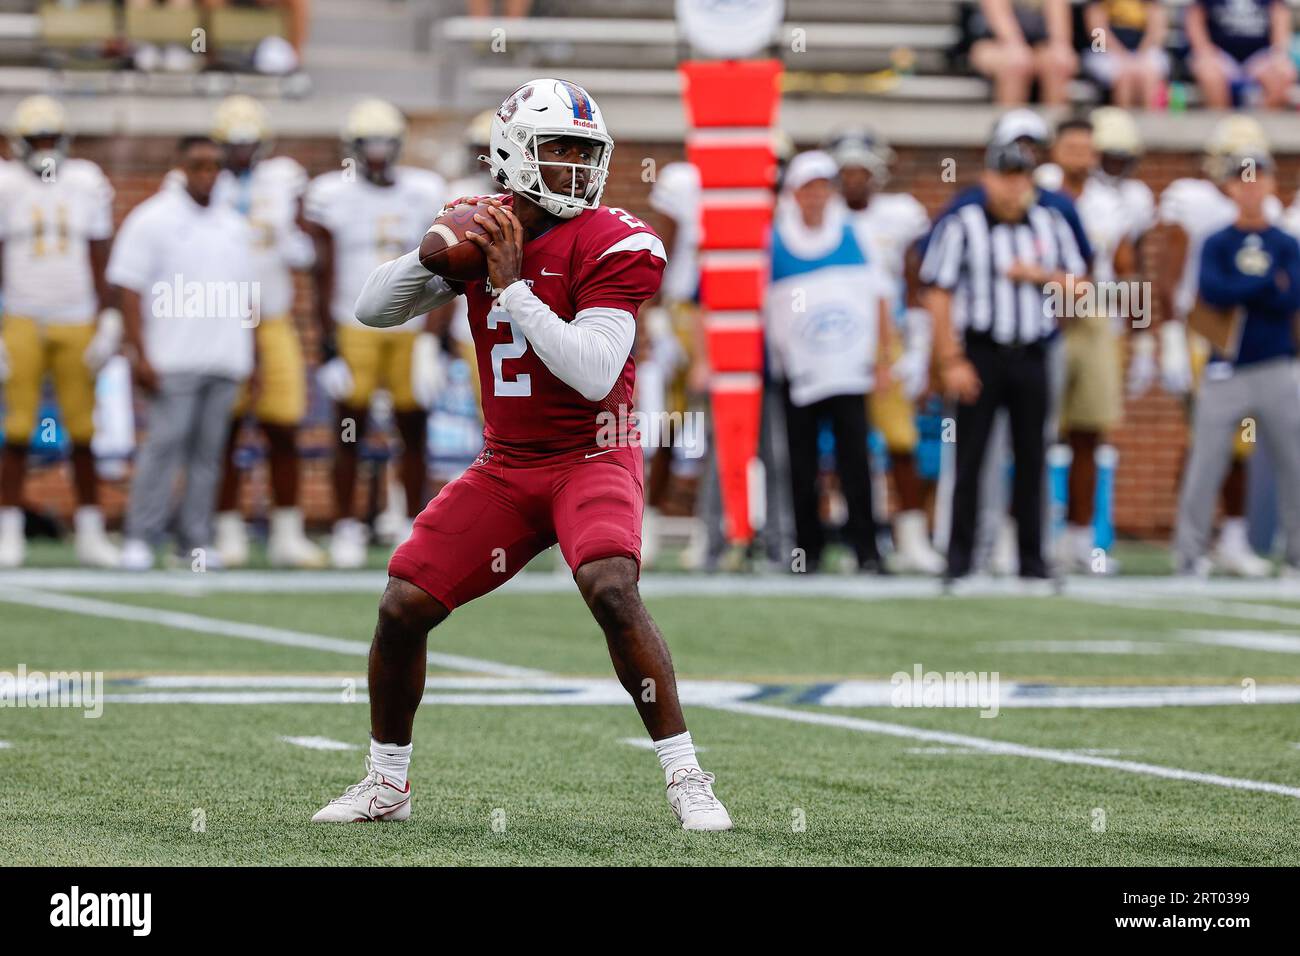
913	368
335	379
1142	367
1175	361
4	363
428	373
107	340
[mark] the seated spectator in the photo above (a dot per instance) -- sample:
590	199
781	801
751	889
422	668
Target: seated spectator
509	8
1023	40
1126	51
1238	44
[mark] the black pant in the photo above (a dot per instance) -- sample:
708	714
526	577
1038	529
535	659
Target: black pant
1014	378
848	418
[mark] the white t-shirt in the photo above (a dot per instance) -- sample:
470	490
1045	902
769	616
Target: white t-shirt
194	272
676	194
372	225
1200	209
268	197
47	227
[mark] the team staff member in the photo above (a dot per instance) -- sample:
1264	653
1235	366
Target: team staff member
267	191
990	265
56	224
186	278
1254	267
829	331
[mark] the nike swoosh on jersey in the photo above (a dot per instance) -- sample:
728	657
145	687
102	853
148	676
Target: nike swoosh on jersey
596	453
545	273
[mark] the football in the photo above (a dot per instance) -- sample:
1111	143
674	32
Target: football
445	251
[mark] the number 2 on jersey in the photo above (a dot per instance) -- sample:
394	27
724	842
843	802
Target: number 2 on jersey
521	385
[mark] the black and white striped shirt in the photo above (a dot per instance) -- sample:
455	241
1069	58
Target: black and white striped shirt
969	253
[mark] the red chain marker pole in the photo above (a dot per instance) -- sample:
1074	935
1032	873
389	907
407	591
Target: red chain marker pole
731	106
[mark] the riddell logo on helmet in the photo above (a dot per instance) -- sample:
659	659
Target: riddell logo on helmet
585	124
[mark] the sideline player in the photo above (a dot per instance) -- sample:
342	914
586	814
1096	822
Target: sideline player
267	191
56	225
360	216
554	325
888	224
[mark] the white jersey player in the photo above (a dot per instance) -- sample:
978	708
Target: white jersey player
363	215
268	193
56	221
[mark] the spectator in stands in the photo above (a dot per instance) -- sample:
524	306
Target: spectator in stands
829	334
296	18
1250	271
1020	41
1126	52
1241	49
186	281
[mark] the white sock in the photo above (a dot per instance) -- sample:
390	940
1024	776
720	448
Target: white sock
676	753
392	761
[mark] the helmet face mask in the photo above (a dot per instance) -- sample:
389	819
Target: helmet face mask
38	134
534	116
376	155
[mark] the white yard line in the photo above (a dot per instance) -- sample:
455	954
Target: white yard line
1003	748
184	621
319	743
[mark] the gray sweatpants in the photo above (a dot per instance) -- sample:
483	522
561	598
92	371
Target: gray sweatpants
189	420
1269	394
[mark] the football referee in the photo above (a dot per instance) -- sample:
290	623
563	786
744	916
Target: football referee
992	269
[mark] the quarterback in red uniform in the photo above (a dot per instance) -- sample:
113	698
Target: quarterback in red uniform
553	325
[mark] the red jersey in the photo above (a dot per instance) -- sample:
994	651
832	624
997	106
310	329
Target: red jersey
602	257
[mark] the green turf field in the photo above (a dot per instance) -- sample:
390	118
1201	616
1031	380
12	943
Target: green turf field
1138	722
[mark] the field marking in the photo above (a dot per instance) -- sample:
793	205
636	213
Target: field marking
1003	748
968	751
1034	696
1269	641
1079	647
4	745
185	621
1083	587
319	743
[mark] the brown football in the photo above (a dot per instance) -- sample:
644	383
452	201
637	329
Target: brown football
445	251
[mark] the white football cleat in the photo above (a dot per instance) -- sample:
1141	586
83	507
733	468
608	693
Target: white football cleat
1004	559
231	539
348	544
288	546
690	794
92	545
1234	555
912	549
373	800
13	543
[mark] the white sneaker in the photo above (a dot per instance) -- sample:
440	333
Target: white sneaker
92	545
288	546
13	542
348	544
1234	555
1074	549
232	538
912	549
136	555
373	800
690	794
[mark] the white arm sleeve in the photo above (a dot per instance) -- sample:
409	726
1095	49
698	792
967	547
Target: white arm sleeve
398	290
587	354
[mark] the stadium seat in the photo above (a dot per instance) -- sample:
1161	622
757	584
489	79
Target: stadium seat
162	25
62	26
243	27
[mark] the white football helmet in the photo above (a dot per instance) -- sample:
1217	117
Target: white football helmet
1234	136
241	126
39	118
372	134
539	111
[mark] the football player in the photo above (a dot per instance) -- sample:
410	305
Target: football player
1192	209
268	191
554	324
1092	401
362	215
887	224
56	225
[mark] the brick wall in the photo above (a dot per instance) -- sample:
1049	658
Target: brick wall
1151	441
